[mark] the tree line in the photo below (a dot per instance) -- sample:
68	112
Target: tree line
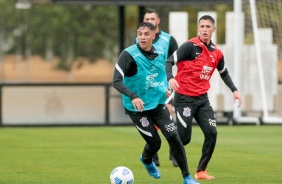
52	30
75	31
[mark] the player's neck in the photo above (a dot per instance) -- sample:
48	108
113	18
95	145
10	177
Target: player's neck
157	30
206	41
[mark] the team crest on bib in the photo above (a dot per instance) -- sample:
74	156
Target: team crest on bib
186	111
144	122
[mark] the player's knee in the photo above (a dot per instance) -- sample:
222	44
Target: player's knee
172	137
211	134
156	145
185	140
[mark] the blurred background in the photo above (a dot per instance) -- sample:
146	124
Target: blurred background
57	57
56	41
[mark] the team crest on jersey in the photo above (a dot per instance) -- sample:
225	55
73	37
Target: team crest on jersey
186	112
144	122
212	59
153	68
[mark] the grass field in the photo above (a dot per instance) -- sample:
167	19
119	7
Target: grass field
82	155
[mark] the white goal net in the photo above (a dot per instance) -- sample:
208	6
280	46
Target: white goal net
269	15
263	28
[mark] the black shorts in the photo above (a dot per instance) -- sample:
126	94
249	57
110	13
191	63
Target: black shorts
145	121
197	108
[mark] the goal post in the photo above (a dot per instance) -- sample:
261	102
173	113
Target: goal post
255	60
266	13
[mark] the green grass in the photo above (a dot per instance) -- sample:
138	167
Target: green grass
74	155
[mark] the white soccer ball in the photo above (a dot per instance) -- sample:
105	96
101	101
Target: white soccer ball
121	175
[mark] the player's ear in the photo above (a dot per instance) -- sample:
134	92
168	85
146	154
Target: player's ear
214	28
154	36
158	21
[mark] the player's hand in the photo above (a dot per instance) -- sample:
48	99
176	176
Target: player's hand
173	84
168	93
138	104
236	96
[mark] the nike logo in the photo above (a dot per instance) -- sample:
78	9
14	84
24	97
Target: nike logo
198	53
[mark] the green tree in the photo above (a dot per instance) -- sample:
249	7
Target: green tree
64	31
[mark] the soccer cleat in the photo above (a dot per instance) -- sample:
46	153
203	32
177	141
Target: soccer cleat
156	159
189	180
203	175
173	160
151	169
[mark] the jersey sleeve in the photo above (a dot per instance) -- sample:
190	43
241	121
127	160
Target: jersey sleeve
123	68
173	46
181	54
221	65
224	74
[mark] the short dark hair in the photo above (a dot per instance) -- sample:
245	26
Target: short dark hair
148	25
207	17
150	10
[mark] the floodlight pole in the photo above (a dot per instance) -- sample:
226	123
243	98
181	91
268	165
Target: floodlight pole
141	12
121	28
23	5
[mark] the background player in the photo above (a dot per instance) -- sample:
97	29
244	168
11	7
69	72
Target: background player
196	61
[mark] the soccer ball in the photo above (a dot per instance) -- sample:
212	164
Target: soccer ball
121	175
